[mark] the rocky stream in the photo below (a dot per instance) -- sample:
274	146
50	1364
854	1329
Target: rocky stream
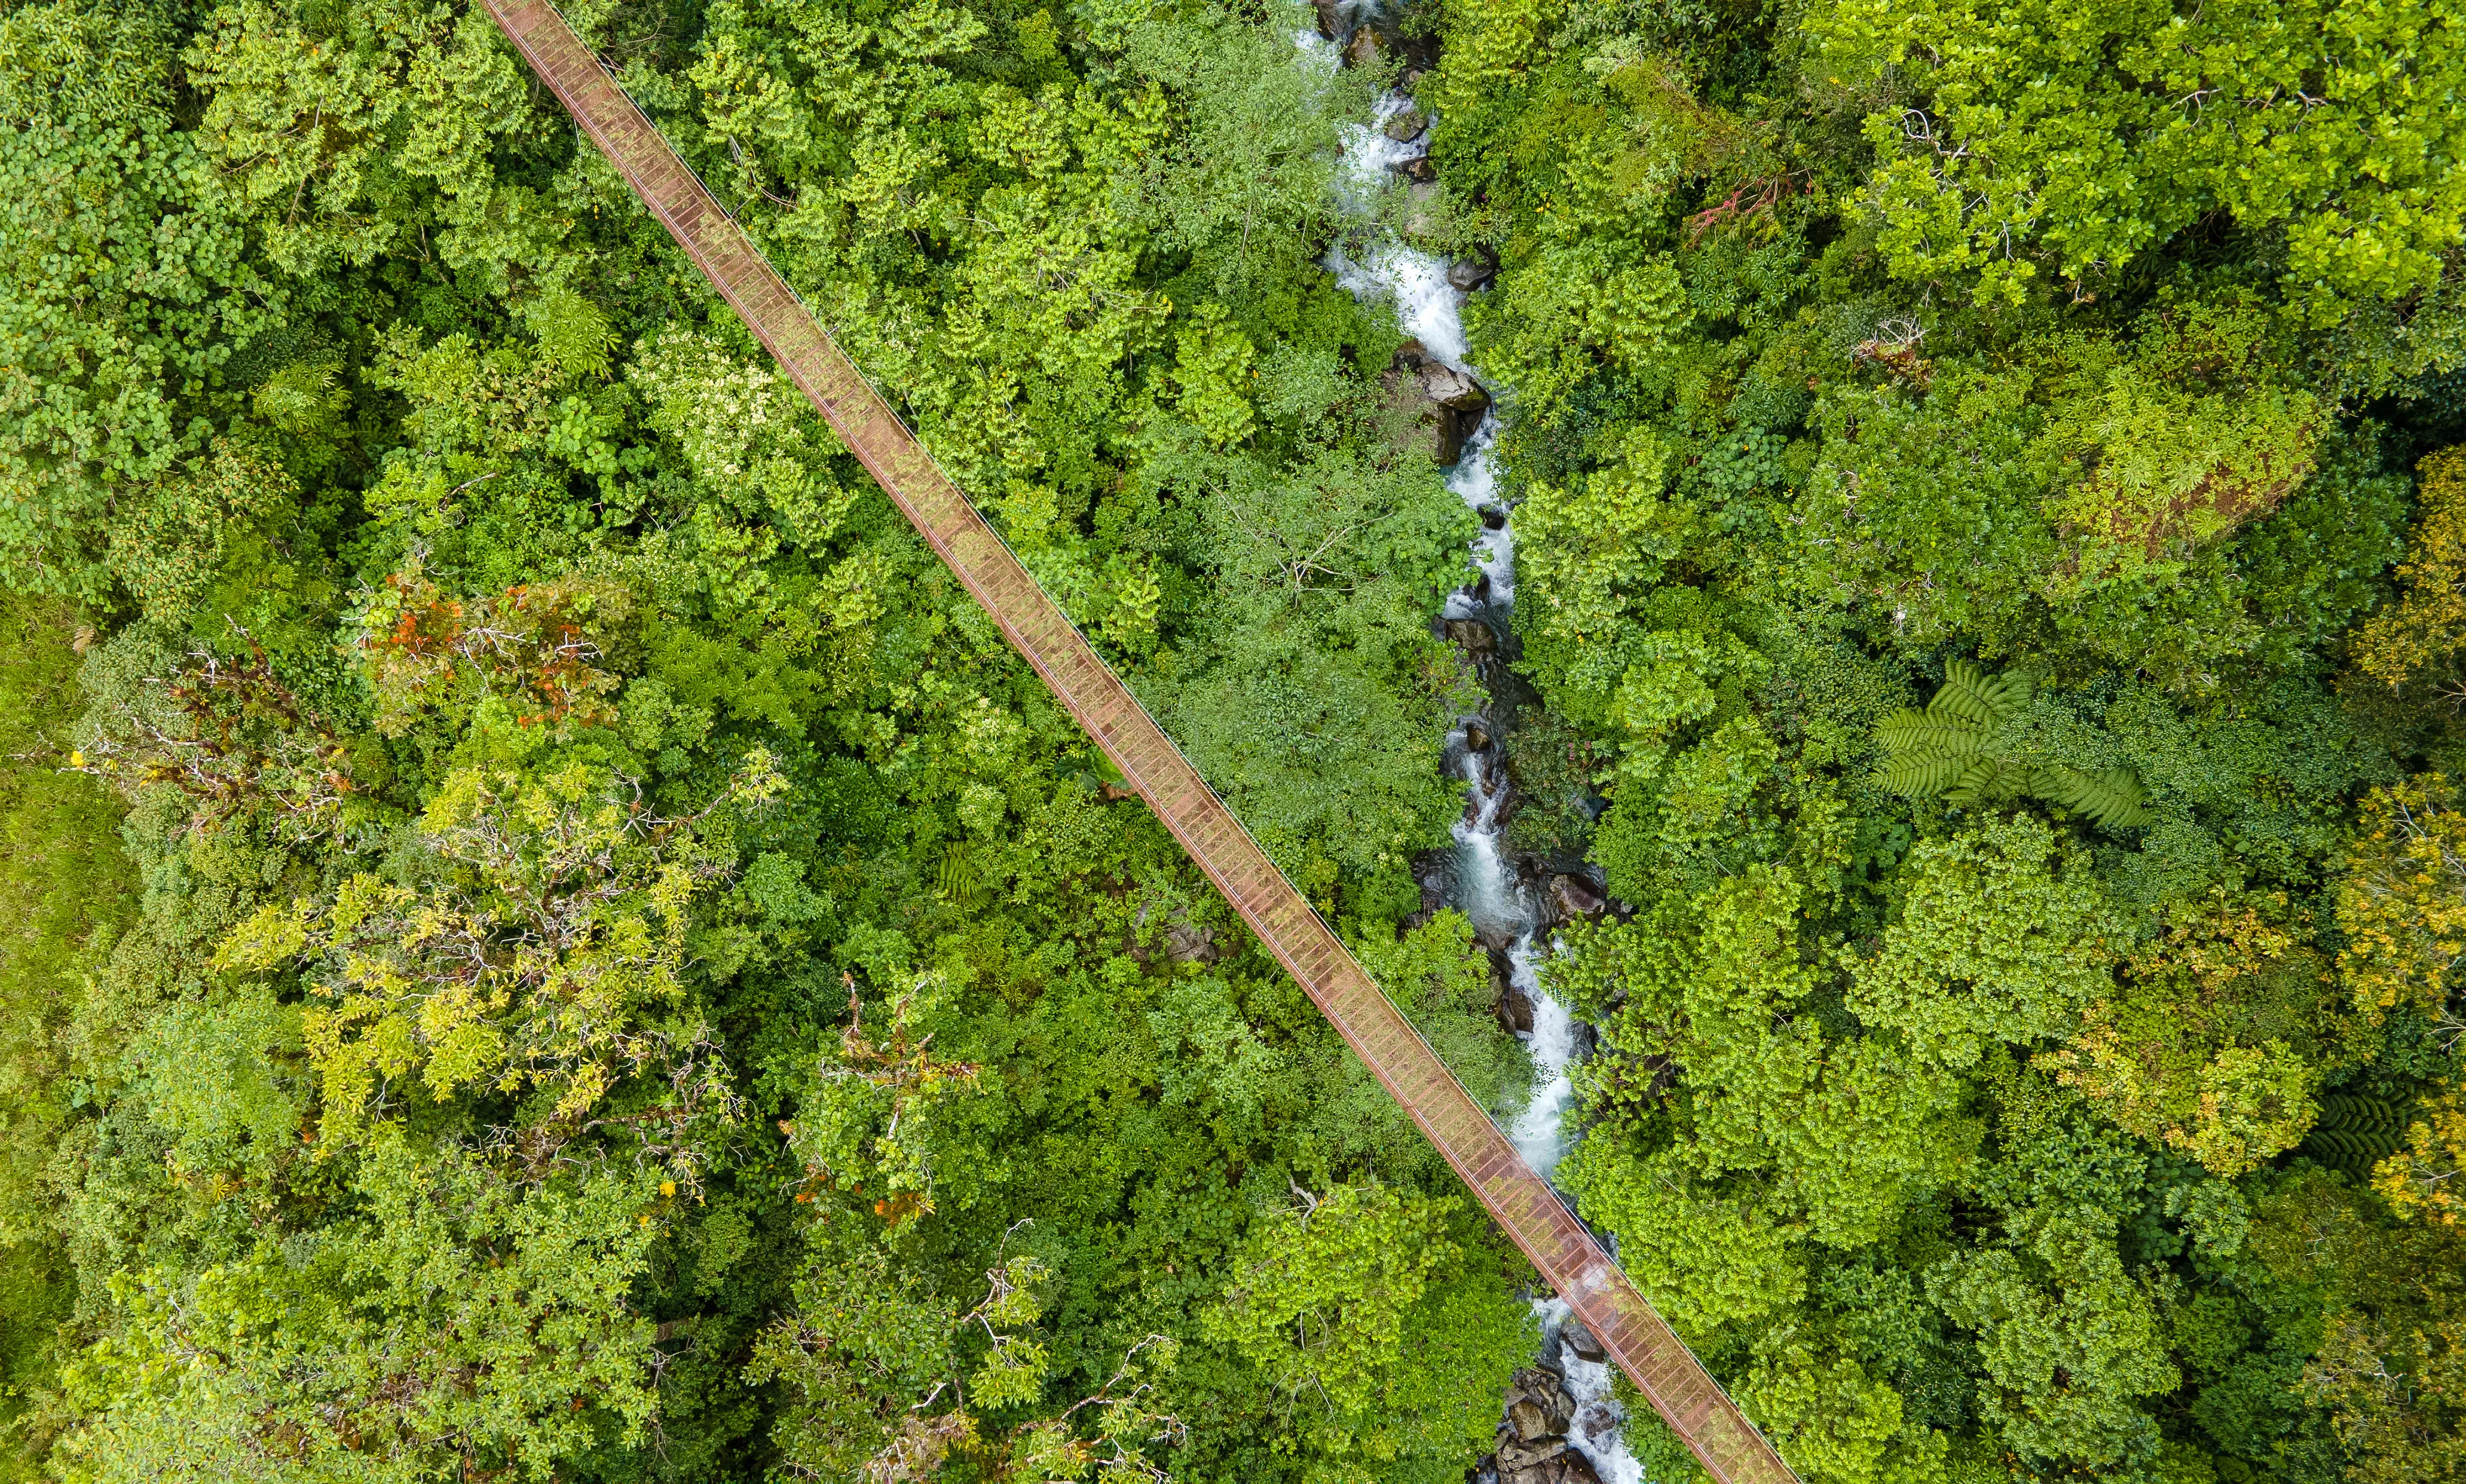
1559	1424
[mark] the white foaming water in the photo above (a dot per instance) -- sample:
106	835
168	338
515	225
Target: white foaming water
1486	889
1431	310
1595	1434
1416	282
1540	1128
1475	482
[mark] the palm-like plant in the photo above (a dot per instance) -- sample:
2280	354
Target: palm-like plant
1958	749
2355	1132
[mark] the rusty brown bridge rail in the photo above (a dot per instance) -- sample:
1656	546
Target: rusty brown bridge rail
1521	1201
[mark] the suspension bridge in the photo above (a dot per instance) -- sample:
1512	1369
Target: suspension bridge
1520	1201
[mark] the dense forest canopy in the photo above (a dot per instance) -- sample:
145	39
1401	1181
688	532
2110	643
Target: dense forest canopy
549	939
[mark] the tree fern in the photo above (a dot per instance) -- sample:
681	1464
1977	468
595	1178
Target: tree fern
1958	749
956	879
2355	1132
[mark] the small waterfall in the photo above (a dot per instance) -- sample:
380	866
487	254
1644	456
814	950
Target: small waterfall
1376	267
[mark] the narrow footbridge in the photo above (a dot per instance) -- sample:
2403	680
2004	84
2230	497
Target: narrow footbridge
1522	1203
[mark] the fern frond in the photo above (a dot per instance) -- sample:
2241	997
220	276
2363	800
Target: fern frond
1987	780
2010	694
1917	731
2356	1110
2355	1132
2131	808
1948	751
1923	773
1971	695
1905	731
1965	695
2111	799
956	879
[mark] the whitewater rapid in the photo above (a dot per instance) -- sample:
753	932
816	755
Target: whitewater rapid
1375	266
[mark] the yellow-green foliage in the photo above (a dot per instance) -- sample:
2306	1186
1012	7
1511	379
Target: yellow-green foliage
544	954
2402	902
2216	1041
2421	633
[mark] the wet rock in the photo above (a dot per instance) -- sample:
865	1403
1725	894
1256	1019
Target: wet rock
1451	389
1493	518
1476	737
1185	943
1407	125
1581	1343
1530	1423
1487	783
1433	874
1516	1455
1434	425
1364	52
1552	1462
1452	402
1332	23
1569	1467
1573	896
1471	636
1417	168
1469	275
1514	1006
1421	215
1547	1394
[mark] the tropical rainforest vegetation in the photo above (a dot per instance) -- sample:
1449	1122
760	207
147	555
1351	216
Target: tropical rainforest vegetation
547	940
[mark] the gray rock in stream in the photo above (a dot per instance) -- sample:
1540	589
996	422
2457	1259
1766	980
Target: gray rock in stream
1471	636
1516	1455
1581	1343
1443	384
1436	405
1564	1468
1471	274
1408	126
1573	898
1552	1409
1533	1447
1514	1006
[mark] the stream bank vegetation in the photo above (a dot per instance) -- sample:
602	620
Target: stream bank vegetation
550	940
